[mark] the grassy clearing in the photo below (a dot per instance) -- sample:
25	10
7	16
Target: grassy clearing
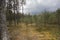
25	31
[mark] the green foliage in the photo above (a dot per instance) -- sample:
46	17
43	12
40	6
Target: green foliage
58	16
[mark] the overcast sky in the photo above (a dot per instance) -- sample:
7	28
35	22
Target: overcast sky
36	6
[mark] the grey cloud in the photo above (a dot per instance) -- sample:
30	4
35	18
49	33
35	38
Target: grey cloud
34	7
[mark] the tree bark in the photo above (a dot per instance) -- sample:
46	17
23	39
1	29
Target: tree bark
3	26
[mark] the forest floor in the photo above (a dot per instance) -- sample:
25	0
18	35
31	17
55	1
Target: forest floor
24	31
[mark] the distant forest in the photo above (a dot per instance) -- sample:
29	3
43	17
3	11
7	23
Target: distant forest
44	17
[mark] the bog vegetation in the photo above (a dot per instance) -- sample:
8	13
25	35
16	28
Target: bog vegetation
45	24
42	26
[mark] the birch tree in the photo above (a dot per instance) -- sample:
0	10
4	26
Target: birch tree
3	26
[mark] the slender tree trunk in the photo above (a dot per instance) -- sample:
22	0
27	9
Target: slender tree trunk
3	26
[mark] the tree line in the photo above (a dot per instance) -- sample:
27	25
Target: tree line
44	17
